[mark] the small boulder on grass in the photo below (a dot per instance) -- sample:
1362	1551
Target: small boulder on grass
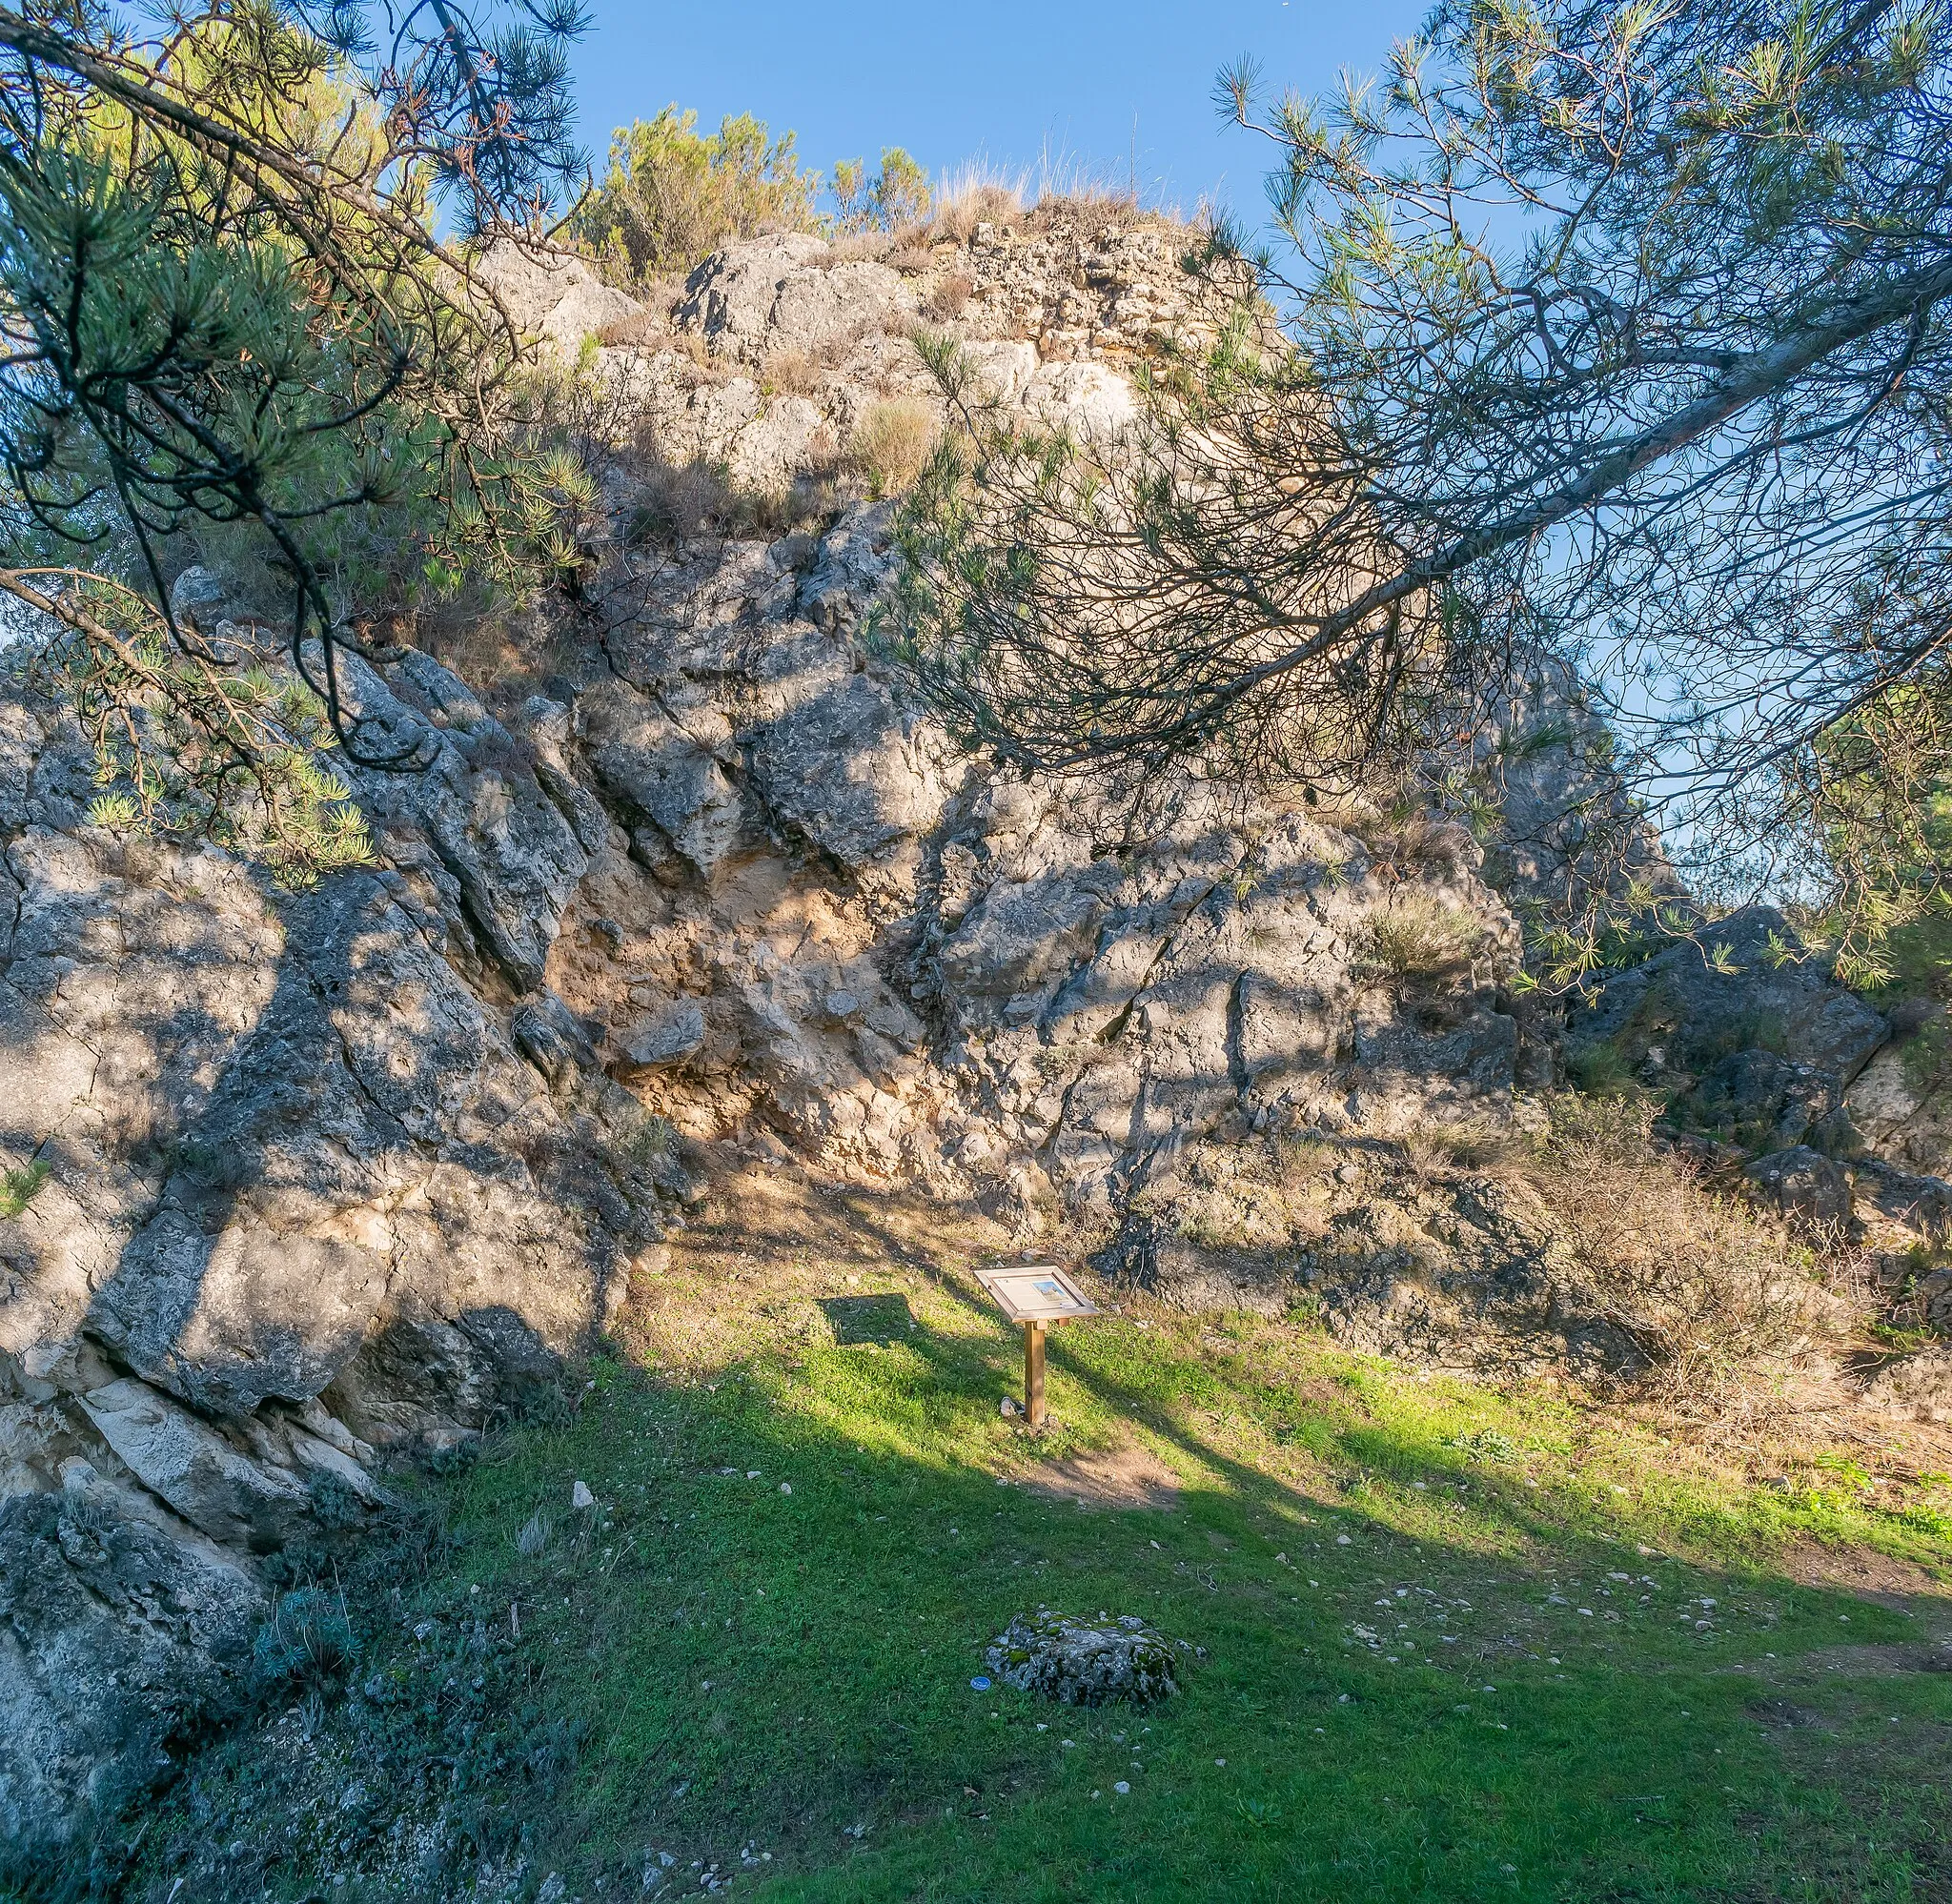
1081	1663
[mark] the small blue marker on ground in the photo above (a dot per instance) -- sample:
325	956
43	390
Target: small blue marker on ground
980	1684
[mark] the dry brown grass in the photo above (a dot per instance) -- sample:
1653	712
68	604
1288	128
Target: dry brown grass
892	442
1713	1292
674	502
1422	940
692	344
1090	202
791	372
950	297
971	199
1474	1144
854	247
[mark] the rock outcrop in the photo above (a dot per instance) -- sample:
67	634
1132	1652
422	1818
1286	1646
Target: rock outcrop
776	350
334	1174
300	1182
304	1200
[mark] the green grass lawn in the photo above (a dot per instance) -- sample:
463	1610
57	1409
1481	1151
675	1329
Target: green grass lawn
1457	1643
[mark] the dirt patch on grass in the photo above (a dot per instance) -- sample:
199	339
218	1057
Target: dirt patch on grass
1933	1655
1902	1585
1120	1478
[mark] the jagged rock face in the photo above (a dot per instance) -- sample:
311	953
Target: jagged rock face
1114	999
307	1199
1777	1068
811	912
1566	824
778	347
1898	1101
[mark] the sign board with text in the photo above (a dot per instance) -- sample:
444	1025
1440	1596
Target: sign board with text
1036	1292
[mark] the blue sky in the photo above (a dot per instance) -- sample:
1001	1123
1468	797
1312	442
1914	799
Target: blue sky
1005	80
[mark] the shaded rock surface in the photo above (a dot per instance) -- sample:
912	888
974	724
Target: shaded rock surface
1459	1270
1770	1066
118	1637
306	1200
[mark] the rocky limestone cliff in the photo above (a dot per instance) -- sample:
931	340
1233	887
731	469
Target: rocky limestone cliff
335	1176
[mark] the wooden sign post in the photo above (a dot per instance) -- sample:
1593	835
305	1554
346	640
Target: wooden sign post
1036	1295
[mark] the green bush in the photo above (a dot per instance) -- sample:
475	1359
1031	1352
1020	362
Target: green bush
308	1641
1600	1069
898	194
672	195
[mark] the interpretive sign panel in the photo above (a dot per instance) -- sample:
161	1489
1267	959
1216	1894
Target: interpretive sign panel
1036	1292
1036	1295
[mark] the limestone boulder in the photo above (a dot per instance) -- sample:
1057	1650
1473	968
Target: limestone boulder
1915	1387
852	771
553	298
667	774
786	293
200	1476
1803	1183
549	1035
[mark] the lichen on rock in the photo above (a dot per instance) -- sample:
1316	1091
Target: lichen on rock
1082	1663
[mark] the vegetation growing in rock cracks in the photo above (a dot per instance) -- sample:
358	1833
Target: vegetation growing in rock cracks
1614	336
226	312
18	1188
